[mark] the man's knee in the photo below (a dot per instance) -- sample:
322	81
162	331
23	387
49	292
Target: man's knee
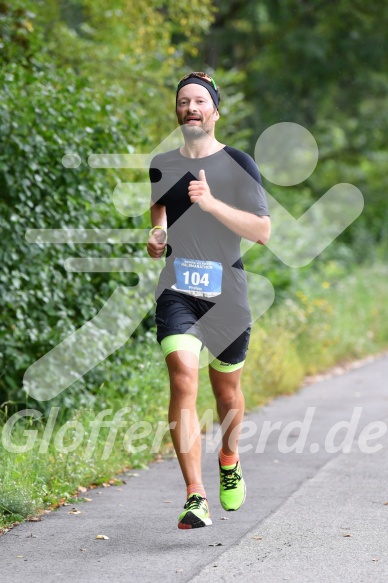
226	393
183	385
183	378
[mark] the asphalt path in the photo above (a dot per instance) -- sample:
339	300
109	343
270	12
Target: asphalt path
316	507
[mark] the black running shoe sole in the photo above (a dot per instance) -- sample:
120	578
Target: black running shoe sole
191	520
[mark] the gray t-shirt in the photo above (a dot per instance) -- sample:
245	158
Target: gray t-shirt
233	178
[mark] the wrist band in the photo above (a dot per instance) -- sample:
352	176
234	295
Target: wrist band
158	227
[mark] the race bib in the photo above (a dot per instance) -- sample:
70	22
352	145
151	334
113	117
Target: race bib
198	277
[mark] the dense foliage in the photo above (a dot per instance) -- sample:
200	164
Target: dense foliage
66	89
325	67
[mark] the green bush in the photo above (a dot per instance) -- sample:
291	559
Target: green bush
17	501
46	113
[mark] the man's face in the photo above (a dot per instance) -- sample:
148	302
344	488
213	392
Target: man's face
195	111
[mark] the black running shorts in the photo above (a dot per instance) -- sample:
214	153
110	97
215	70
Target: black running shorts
227	338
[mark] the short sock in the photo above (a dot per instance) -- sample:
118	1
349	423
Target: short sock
196	489
228	460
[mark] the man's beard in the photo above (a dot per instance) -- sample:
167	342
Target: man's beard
194	132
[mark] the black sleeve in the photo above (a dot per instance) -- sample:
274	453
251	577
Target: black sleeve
250	192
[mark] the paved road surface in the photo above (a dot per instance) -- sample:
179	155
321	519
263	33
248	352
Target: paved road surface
310	516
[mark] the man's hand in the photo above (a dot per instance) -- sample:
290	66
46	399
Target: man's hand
156	244
199	192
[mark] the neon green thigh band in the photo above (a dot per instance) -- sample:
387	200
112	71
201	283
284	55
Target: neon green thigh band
193	344
224	366
181	342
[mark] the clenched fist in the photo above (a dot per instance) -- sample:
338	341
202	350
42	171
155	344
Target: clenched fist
156	244
199	192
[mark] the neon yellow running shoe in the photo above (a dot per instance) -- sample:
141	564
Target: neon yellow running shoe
232	487
196	513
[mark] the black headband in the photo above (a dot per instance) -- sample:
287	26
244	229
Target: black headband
198	81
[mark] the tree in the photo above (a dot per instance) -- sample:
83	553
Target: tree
326	69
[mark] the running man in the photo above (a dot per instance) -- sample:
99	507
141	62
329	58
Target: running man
205	197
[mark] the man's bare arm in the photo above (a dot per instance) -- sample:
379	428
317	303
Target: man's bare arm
252	227
247	225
